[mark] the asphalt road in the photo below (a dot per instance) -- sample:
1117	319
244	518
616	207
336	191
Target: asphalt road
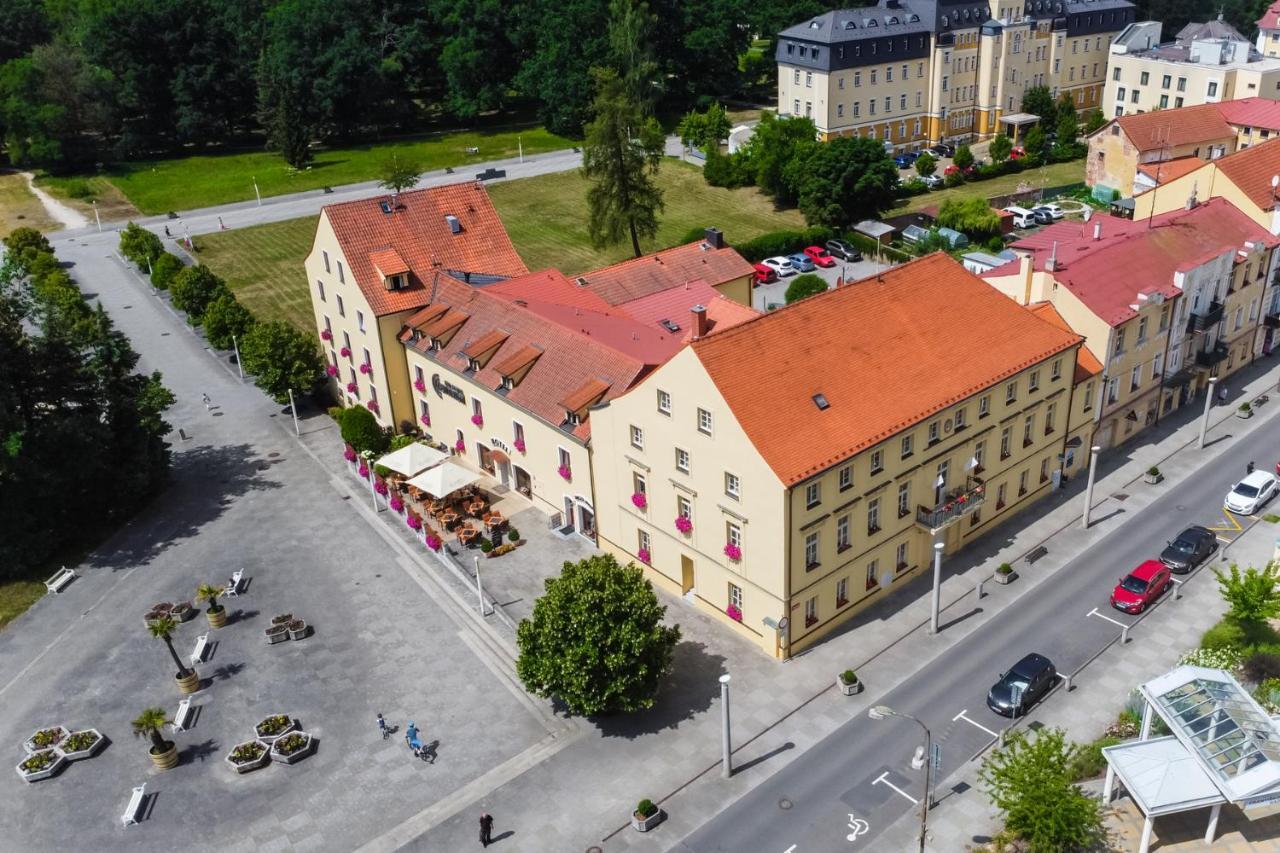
863	770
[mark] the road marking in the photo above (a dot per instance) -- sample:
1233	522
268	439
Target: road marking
881	780
1224	540
961	716
1233	524
1094	612
791	849
857	824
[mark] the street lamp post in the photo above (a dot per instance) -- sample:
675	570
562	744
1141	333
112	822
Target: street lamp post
1088	489
880	712
937	587
726	769
257	194
1208	404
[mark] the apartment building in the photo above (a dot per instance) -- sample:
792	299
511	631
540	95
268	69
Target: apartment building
1268	43
1162	304
915	72
1205	63
788	472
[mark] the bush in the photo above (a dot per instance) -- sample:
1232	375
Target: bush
1086	761
1227	659
1261	666
163	270
849	677
513	535
1227	634
194	289
726	171
78	188
226	319
399	441
139	246
485	545
783	243
805	285
915	186
361	430
1004	569
955	179
646	808
1254	595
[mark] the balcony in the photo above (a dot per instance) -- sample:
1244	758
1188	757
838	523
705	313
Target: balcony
1271	320
954	506
1211	357
1211	317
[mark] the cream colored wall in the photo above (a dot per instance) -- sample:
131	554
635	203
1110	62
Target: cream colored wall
397	389
1207	182
739	290
1198	78
1245	302
759	511
540	457
815	95
1257	82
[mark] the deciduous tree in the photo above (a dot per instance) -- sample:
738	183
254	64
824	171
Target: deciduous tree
281	359
194	289
226	319
926	164
1253	594
971	216
1000	149
842	181
1038	101
963	158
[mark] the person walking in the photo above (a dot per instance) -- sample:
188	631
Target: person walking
208	404
221	227
1248	468
486	829
382	727
166	231
1222	396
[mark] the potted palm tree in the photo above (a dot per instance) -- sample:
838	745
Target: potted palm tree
216	613
162	629
150	723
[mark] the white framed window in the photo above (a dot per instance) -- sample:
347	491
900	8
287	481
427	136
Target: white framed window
365	350
360	320
984	405
873	574
907	448
1011	392
811	612
517	433
664	402
642	538
562	456
733	534
842	532
735	596
904	498
901	556
812	495
639	485
935	432
684	507
424	412
846	477
842	592
873	516
732	485
1033	379
704	422
811	550
877	461
637	437
682	461
1055	372
960	418
477	411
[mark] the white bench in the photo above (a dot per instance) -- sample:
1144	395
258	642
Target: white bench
233	587
63	577
197	654
132	810
183	716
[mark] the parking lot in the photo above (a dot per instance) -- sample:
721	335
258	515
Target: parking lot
767	297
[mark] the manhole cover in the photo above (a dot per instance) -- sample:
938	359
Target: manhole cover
272	455
784	804
1120	496
961	787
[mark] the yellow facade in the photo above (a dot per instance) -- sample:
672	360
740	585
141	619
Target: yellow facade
1141	82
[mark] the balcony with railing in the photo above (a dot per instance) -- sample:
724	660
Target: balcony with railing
1208	358
1205	320
954	505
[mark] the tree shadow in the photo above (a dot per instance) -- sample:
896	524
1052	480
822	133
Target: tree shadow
688	690
241	615
204	482
198	751
225	671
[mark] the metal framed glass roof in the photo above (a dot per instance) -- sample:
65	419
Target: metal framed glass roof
1222	722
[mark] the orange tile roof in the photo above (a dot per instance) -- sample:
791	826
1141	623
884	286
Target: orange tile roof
664	270
1184	126
417	232
486	343
589	392
887	353
518	359
388	262
1087	364
1252	169
1170	170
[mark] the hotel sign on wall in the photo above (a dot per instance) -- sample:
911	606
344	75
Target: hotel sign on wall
444	386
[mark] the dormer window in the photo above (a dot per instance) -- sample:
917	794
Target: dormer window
508	383
571	418
473	365
436	345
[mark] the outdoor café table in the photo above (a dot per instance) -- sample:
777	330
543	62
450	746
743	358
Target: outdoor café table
495	521
475	508
466	534
448	519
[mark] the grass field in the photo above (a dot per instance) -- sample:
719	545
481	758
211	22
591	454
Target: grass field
18	208
263	267
158	186
80	193
546	216
16	597
1053	175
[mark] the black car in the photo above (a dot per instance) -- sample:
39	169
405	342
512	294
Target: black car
1189	550
942	149
1022	686
843	249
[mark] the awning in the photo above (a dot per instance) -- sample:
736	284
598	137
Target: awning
498	456
444	479
1019	119
412	459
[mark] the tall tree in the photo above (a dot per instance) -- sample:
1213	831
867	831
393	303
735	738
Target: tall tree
1038	101
26	24
630	36
620	159
842	181
773	146
476	54
56	107
707	37
560	41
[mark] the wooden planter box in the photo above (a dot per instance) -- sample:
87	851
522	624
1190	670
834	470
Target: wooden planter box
1006	579
295	756
249	766
36	775
644	824
32	747
272	738
90	750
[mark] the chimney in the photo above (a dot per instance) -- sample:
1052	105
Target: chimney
714	238
1097	230
699	321
454	225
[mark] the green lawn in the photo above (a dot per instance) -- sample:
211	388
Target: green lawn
20	208
81	193
546	216
16	597
263	266
1053	175
158	186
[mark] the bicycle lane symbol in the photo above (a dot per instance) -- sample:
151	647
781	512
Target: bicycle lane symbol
858	827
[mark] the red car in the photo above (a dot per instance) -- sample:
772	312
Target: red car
819	256
764	275
1143	586
1017	153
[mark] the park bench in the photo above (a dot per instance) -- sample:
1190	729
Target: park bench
233	587
134	808
63	577
197	654
183	716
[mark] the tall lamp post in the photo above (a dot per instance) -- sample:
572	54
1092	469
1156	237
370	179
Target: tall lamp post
881	712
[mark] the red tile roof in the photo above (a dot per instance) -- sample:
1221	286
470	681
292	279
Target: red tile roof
1185	126
886	352
388	262
676	304
1252	112
416	231
1170	170
1270	19
589	392
664	270
1087	364
1131	259
1252	169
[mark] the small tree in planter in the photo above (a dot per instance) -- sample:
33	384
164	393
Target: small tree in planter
162	629
1245	411
513	535
1005	573
849	683
1153	475
149	724
216	613
646	816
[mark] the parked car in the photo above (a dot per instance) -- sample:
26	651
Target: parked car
1190	549
1250	494
1022	686
844	250
950	170
764	274
906	159
1141	587
1022	218
1042	216
801	262
933	182
1017	152
942	149
1054	211
780	265
820	256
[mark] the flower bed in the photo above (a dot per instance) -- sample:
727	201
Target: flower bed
45	738
273	727
281	619
41	765
292	747
373	406
460	446
82	744
352	387
380	486
248	756
182	611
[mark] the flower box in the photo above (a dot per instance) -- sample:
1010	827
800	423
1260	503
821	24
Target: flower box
374	407
331	370
565	472
273	727
733	552
848	683
363	471
1152	477
396	504
349	454
46	738
644	555
352	387
425	420
298	629
1005	577
345	352
292	747
41	765
326	335
276	634
182	611
640	501
478	420
366	368
414	522
733	612
683	524
460	446
248	756
518	444
420	385
380	486
647	816
82	744
433	542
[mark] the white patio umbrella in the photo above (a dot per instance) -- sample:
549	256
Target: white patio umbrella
444	479
412	459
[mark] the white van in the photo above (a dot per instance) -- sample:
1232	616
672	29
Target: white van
1022	218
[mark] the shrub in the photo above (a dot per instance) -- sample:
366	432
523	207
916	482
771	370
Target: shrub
1261	666
1227	659
1004	569
399	441
485	545
194	289
1153	471
805	285
513	535
726	171
955	179
1227	634
1254	595
78	188
646	808
783	243
1086	760
361	430
849	677
226	319
163	270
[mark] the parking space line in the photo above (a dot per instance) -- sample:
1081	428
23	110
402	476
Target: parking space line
881	780
1094	612
1224	540
961	716
1233	524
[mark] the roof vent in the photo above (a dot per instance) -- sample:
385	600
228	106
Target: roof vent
454	225
669	325
820	400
